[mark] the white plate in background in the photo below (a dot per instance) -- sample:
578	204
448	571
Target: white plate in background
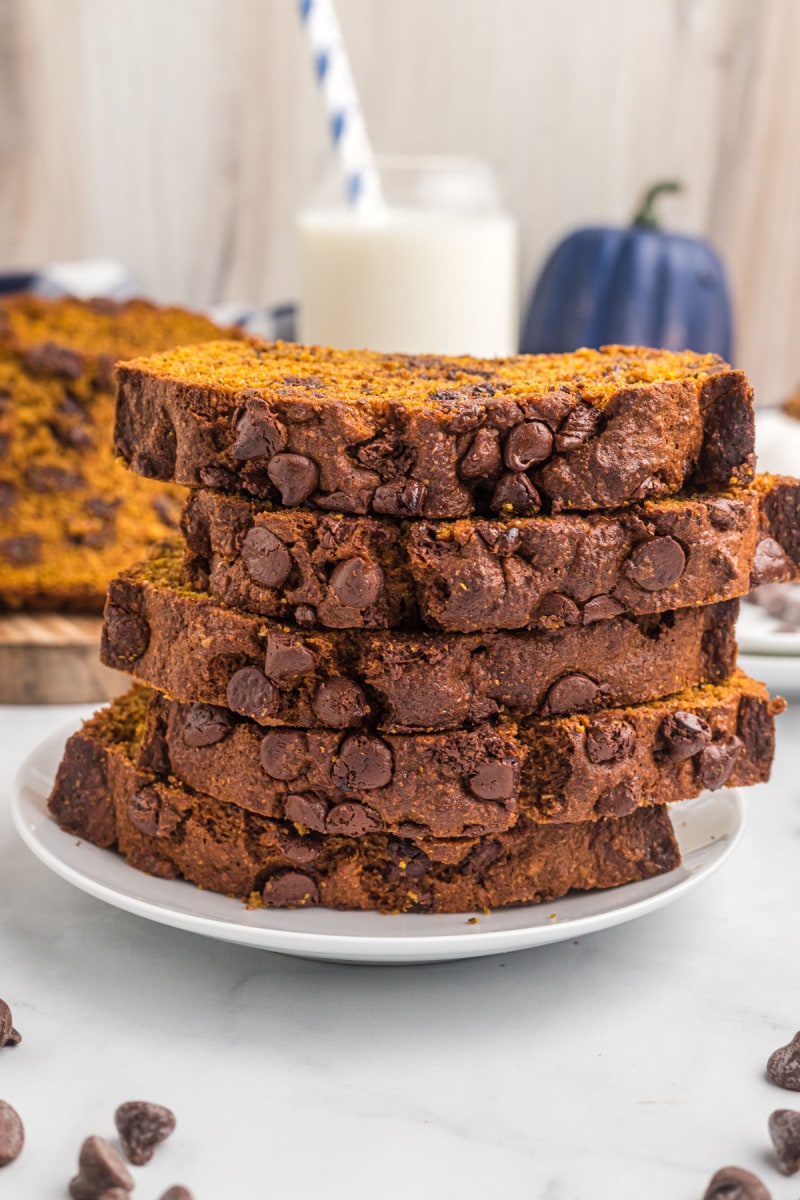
759	633
777	442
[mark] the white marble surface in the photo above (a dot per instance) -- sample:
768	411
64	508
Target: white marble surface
627	1065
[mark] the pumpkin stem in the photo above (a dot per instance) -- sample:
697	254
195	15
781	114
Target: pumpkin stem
645	217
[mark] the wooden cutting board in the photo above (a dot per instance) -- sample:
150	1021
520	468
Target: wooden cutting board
52	659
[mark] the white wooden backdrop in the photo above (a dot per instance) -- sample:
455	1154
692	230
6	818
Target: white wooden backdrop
181	135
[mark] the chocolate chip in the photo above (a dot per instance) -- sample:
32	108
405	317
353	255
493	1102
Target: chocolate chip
284	753
507	542
257	433
177	1192
308	811
104	378
483	459
717	761
8	494
142	1127
286	656
168	510
681	735
301	849
295	477
577	428
97	538
339	702
479	859
153	753
290	890
571	692
649	486
218	477
494	780
44	478
143	811
722	514
100	1168
100	506
407	860
783	1066
76	436
610	741
400	499
127	633
656	564
8	1034
22	551
305	614
12	1134
206	724
555	611
515	493
352	820
267	560
356	583
364	762
527	444
49	358
601	608
390	456
771	563
251	693
734	1183
784	1129
618	801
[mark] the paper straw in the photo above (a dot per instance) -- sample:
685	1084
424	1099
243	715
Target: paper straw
347	125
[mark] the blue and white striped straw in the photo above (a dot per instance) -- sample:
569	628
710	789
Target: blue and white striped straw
347	125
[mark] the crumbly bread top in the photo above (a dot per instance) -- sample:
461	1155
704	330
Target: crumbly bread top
100	326
364	377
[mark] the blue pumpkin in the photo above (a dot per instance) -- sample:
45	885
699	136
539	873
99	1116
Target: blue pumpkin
637	286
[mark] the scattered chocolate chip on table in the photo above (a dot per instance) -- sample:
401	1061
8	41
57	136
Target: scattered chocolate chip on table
12	1134
783	1067
100	1170
142	1127
9	1036
734	1183
784	1129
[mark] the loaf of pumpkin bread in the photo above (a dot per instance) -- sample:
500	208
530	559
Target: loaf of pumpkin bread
168	830
360	432
470	781
70	515
194	648
334	571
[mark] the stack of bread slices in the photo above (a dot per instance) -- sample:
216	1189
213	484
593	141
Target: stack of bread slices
442	634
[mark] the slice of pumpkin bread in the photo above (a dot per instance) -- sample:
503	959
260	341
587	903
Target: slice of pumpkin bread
192	647
471	781
359	432
168	830
334	571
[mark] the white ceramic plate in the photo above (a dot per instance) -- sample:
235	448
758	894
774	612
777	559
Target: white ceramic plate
707	830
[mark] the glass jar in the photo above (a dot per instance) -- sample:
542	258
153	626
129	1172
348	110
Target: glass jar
432	270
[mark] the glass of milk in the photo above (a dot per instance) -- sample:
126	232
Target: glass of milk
431	270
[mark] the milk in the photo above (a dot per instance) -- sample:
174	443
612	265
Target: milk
438	275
